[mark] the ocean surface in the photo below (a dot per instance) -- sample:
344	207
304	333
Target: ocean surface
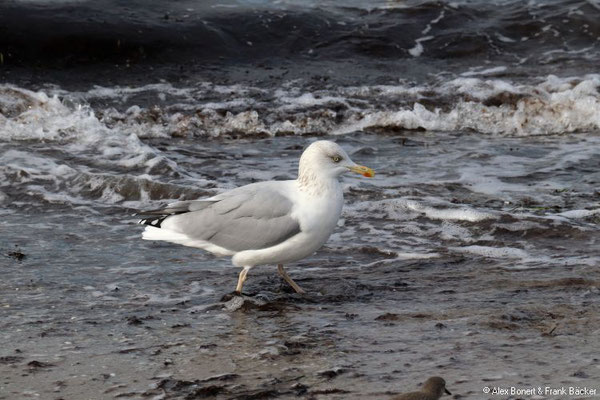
474	253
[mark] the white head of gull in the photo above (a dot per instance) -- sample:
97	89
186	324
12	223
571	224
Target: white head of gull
272	222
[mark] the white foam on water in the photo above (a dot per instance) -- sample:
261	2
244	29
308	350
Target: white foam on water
450	231
53	119
41	117
309	100
224	105
551	106
56	182
29	167
48	122
418	49
554	106
519	226
383	91
579	214
406	209
494	252
416	256
517	258
487	71
124	92
455	214
504	39
47	118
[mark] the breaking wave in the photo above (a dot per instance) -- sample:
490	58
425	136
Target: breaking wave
489	106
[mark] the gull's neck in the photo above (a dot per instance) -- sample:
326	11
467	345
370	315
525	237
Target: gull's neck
313	183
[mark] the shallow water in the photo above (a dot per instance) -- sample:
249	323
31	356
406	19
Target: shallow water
473	254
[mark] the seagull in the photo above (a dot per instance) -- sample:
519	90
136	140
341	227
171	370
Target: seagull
272	222
432	389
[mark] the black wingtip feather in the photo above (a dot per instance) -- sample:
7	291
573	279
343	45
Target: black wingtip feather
154	221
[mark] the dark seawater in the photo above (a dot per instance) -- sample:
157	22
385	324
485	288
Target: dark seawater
110	41
473	254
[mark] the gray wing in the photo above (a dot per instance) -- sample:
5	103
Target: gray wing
178	208
250	217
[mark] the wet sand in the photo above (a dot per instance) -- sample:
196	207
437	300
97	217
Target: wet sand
369	328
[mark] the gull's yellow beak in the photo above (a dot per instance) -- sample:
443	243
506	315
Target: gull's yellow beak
364	171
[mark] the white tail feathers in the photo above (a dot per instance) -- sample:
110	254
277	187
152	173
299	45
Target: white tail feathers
153	233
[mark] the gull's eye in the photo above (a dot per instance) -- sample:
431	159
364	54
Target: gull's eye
336	159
